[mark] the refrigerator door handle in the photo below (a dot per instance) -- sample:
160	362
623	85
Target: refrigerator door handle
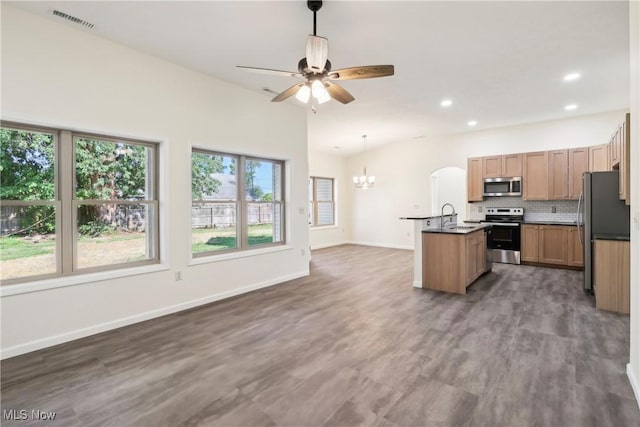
580	200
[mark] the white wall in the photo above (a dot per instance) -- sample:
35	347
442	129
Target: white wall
633	369
403	169
329	166
56	75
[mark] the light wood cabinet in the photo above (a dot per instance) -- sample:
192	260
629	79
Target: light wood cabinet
535	176
625	161
553	244
512	165
474	179
578	165
529	243
451	262
576	248
476	255
614	149
599	158
611	275
558	174
492	167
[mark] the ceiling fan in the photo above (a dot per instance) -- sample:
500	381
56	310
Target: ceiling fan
316	71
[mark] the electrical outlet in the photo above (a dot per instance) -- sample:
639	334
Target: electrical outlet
302	252
178	276
553	209
479	209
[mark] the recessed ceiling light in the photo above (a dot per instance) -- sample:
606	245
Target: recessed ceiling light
337	147
446	103
472	122
571	77
570	107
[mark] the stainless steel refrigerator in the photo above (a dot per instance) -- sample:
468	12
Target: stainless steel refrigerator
603	214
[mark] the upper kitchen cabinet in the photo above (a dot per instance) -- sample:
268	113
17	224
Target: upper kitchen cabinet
535	185
599	158
492	167
507	165
558	174
578	165
474	179
624	161
512	165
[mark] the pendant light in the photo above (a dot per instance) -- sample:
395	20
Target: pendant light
364	181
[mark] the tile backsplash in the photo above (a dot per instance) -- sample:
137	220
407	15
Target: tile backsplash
534	210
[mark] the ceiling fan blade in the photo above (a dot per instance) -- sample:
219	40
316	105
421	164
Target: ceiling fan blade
288	93
338	93
270	71
317	53
364	72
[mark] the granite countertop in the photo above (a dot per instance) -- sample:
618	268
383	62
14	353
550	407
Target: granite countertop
551	222
421	216
611	237
458	229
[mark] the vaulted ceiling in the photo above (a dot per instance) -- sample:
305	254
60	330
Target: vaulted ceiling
500	63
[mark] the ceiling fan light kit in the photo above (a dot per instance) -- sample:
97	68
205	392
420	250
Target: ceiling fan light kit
316	71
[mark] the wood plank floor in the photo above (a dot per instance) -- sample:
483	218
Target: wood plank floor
353	344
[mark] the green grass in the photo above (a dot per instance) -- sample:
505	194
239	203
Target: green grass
17	247
226	238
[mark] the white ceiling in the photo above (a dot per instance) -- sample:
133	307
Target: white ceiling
502	63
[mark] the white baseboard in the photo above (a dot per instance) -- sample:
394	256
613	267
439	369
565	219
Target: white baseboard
328	245
417	285
118	323
635	384
382	245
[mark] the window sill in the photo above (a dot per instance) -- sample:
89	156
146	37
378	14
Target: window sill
80	279
323	227
239	254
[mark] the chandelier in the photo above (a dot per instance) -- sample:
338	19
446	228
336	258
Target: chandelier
364	181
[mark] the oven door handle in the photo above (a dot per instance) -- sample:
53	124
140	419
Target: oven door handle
503	224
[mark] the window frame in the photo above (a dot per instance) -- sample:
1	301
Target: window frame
242	224
65	203
315	202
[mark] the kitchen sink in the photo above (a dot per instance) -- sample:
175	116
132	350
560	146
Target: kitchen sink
463	227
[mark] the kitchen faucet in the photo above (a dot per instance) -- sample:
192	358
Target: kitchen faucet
442	213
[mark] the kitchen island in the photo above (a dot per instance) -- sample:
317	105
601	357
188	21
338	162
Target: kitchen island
454	257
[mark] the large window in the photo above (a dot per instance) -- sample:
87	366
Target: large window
321	202
237	202
74	203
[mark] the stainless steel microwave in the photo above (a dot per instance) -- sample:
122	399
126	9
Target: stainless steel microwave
502	186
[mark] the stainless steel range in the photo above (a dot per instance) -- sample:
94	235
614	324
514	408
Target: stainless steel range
504	239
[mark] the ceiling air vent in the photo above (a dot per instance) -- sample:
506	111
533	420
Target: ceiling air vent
73	19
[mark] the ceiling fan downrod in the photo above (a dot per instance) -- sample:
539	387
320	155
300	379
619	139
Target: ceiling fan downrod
314	6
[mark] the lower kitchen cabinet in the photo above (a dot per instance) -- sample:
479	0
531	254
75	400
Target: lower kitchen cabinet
551	244
451	262
611	275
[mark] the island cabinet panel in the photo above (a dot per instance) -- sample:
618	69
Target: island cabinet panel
558	174
535	176
578	165
599	158
451	262
492	167
474	179
611	275
553	244
512	165
576	250
529	243
444	262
